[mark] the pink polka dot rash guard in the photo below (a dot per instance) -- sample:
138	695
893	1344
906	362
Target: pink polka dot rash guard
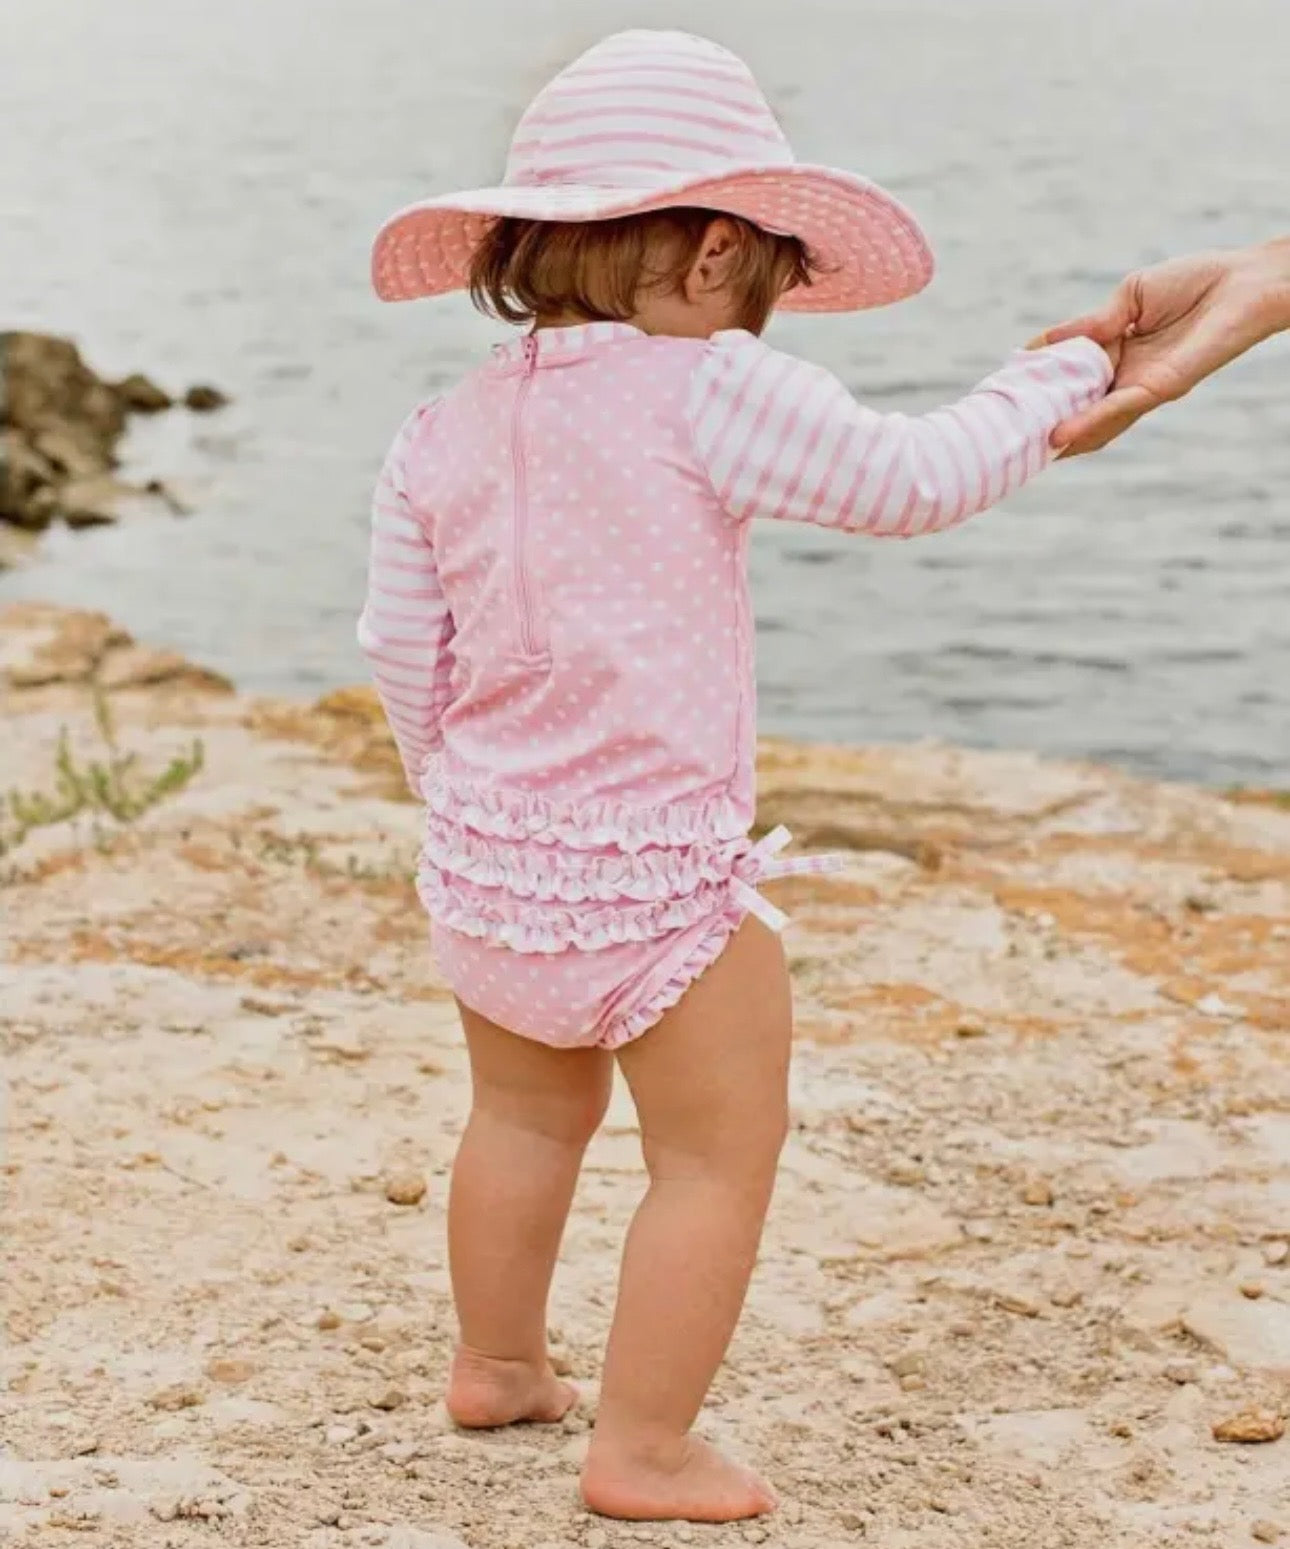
558	618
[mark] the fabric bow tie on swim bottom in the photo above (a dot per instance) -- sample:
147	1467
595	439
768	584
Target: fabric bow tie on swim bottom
760	865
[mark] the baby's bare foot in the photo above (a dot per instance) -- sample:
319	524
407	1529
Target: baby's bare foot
484	1392
696	1484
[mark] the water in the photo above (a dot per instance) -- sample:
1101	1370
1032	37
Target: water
190	189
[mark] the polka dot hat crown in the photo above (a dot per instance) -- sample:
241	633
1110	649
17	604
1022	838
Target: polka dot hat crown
650	121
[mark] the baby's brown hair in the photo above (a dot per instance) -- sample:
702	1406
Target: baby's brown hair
525	271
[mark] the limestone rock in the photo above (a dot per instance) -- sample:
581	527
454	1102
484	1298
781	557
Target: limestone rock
231	1371
1253	1334
61	424
405	1188
180	1395
203	399
48	385
1251	1426
142	395
41	646
93	502
23	472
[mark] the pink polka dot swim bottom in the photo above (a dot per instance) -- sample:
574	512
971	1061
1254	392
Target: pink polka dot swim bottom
578	999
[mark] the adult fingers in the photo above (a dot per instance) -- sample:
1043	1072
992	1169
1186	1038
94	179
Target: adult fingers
1107	324
1093	428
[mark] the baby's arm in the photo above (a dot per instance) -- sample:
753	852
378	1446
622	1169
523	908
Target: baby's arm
406	629
781	438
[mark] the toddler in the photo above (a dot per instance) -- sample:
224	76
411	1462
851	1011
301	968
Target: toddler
559	627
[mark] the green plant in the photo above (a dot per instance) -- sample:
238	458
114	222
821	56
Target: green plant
1260	795
111	786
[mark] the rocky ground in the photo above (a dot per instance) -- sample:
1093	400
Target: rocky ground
60	425
1028	1277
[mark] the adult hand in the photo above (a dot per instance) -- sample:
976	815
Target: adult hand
1178	322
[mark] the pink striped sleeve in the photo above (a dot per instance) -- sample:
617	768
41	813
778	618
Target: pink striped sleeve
783	439
406	628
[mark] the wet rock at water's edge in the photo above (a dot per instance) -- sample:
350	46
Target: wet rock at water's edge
204	399
141	394
59	427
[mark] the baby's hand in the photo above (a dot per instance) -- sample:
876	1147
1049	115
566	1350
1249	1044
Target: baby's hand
1114	349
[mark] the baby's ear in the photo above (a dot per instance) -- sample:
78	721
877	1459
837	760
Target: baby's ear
715	260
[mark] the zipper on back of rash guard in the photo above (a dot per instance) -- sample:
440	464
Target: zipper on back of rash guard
532	644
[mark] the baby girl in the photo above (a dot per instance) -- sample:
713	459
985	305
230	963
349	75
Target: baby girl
559	626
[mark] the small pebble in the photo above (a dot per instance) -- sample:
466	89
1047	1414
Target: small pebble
1265	1532
230	1371
1251	1290
405	1188
1276	1253
1020	1306
262	1006
970	1027
180	1396
201	398
1181	1372
327	1319
1251	1426
961	1328
391	1398
1038	1192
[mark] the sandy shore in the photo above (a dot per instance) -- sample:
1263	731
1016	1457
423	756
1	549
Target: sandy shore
1031	1246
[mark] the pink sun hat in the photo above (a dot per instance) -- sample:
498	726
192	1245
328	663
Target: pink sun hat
650	121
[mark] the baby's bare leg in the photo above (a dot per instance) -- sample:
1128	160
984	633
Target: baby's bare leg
534	1111
711	1087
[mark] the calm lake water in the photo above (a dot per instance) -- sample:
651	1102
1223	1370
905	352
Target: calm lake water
190	189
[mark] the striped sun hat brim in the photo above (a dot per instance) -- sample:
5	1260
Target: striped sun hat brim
646	121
